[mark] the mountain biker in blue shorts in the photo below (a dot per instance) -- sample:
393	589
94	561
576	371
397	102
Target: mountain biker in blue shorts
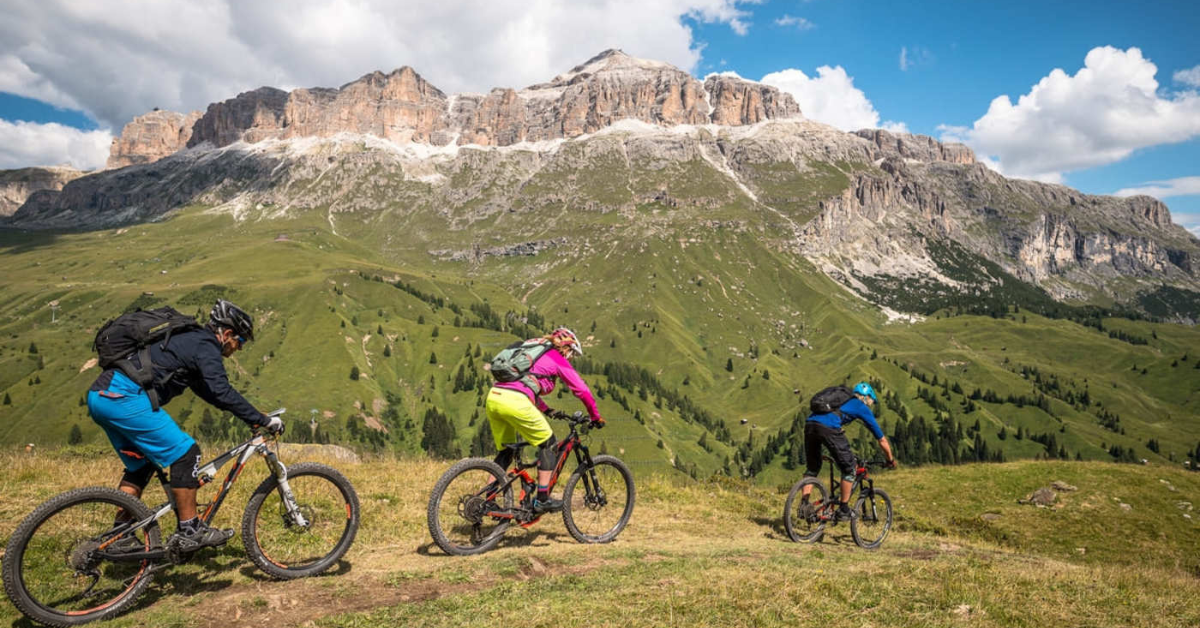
826	429
146	438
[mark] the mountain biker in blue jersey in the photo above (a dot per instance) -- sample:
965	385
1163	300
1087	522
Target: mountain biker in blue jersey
827	429
146	438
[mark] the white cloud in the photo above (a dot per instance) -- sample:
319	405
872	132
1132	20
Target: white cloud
830	97
800	23
116	59
917	55
1190	76
25	144
1108	109
1183	186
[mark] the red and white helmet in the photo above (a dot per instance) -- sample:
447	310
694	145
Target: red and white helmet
563	337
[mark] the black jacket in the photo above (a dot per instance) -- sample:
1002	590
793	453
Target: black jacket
195	359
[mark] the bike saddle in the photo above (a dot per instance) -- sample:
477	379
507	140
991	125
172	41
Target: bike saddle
517	446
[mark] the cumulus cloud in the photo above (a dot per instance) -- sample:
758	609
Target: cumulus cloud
1190	76
1101	114
25	144
799	23
830	97
116	59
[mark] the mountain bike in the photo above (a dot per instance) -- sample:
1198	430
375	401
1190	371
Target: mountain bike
805	520
88	554
472	505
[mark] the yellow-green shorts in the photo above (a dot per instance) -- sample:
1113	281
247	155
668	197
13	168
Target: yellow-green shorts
511	413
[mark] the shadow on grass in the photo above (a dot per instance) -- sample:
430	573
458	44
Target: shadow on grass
16	241
529	539
834	534
252	572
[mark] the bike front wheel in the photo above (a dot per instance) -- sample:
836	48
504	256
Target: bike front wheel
54	567
285	549
803	519
874	519
466	514
598	501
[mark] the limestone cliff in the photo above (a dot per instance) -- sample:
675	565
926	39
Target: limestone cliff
151	137
16	186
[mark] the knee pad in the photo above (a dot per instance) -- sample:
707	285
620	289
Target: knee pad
184	470
140	477
547	457
504	458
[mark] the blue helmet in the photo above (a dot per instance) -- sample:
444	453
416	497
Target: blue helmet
865	389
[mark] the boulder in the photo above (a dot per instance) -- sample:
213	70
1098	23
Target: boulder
1041	498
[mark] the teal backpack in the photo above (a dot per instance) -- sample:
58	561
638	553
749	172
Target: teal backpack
514	362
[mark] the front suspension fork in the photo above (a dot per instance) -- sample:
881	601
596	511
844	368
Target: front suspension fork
285	489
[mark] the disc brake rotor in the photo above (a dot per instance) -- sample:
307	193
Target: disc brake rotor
472	507
82	557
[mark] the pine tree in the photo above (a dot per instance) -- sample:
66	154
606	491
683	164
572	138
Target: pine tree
435	332
483	444
612	344
421	319
729	365
76	435
354	373
387	351
432	358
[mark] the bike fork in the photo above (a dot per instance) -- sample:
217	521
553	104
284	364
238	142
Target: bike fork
285	489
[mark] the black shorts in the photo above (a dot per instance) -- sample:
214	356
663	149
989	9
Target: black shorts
816	435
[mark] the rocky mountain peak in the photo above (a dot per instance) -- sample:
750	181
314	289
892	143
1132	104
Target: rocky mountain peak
918	147
611	61
151	137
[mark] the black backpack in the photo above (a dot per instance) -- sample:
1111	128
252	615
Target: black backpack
830	400
119	339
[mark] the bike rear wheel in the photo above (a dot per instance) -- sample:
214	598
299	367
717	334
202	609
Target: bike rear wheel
874	519
459	505
803	519
52	570
286	550
597	504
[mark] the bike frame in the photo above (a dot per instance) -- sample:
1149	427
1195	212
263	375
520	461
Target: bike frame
863	483
207	473
520	470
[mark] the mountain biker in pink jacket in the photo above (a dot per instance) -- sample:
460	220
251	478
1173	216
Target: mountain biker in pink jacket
512	409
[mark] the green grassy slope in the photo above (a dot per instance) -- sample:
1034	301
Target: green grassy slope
653	293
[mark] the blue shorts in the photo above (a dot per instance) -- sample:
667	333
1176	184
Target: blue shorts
132	425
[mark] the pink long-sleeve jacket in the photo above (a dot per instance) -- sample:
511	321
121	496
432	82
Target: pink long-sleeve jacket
551	367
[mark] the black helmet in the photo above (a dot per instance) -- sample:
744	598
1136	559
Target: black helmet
229	315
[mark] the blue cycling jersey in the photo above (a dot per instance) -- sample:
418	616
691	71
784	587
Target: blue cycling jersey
853	409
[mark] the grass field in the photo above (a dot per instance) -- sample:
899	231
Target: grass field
712	553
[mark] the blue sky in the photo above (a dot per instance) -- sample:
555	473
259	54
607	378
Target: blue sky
71	76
